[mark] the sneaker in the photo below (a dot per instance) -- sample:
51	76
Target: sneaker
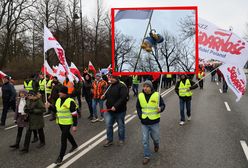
94	120
189	118
146	160
181	123
73	148
156	148
121	143
101	119
16	146
59	161
108	143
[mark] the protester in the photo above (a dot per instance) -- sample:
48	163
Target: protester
99	86
149	106
87	94
34	108
66	112
116	104
135	86
8	98
20	118
183	89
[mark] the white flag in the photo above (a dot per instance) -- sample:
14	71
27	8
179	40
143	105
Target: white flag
133	14
235	79
221	45
49	40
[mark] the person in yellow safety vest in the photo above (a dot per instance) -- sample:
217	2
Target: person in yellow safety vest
42	82
48	86
66	117
135	86
149	106
200	75
168	80
183	89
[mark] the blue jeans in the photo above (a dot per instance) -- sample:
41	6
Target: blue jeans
148	130
110	118
94	106
135	89
188	108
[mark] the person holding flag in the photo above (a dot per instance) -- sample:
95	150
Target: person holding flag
149	106
200	77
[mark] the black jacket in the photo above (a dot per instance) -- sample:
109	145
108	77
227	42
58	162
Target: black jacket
147	121
117	96
193	86
8	92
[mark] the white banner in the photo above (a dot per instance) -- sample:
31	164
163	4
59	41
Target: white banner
221	45
235	79
132	14
49	40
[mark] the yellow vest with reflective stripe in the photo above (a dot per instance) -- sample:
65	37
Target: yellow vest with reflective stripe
64	116
42	84
135	79
149	109
200	75
183	89
49	87
28	86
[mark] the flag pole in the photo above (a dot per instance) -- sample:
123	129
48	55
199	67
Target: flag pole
44	59
147	27
159	89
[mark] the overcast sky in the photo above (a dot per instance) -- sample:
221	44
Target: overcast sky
223	13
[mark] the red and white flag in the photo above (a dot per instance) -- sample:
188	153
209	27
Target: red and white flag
51	42
2	75
235	79
75	71
91	67
47	68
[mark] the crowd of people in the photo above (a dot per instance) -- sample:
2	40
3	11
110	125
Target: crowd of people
46	95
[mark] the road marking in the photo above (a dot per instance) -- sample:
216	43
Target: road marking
167	92
227	106
85	144
90	147
220	91
245	148
217	83
82	153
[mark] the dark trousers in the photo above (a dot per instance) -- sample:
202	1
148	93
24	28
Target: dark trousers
19	135
135	89
6	106
79	101
89	102
28	137
182	104
201	84
65	134
225	86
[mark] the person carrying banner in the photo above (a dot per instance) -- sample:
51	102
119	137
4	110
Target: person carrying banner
149	106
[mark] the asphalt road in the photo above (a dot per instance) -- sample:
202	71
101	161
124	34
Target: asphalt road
211	140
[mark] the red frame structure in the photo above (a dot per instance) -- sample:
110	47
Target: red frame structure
155	8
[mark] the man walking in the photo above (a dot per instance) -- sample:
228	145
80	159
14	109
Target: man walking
183	89
117	104
66	111
149	106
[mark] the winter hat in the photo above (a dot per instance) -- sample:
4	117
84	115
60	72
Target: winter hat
64	90
98	74
148	83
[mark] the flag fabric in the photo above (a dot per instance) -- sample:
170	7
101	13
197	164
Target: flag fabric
221	45
47	68
2	75
75	71
235	79
132	14
91	68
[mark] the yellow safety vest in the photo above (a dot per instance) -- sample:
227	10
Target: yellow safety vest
64	116
183	89
200	75
28	86
168	76
49	87
135	79
42	84
149	109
